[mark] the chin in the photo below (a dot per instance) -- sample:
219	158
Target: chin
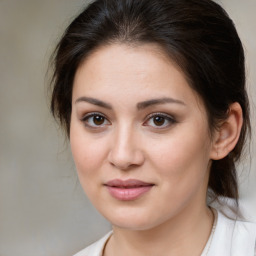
137	225
132	220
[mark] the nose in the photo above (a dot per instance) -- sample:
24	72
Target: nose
126	150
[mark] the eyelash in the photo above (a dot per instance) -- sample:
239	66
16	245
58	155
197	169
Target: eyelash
92	115
166	118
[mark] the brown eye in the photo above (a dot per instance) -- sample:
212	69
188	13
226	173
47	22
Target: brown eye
95	120
159	120
98	120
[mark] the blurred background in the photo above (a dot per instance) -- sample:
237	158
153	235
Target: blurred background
43	210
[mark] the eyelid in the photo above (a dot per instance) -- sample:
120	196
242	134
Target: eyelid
160	114
89	114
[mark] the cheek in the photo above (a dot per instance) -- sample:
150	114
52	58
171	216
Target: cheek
88	153
183	157
182	168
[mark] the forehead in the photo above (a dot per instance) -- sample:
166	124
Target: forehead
137	72
124	58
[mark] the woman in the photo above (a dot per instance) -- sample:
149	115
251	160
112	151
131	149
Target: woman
151	94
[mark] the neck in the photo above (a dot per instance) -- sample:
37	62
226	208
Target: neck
185	234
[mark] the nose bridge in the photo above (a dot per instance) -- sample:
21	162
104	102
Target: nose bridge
125	150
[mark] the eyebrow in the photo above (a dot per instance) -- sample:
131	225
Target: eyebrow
94	102
148	103
140	105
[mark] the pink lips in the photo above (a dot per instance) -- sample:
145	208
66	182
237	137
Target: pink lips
127	190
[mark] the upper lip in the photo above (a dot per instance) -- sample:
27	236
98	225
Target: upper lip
130	183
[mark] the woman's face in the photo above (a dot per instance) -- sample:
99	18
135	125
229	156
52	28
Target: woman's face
139	137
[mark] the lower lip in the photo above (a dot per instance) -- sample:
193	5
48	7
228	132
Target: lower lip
128	194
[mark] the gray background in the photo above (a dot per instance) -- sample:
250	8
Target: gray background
43	210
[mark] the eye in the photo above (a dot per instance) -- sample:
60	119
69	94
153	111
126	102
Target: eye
159	120
95	120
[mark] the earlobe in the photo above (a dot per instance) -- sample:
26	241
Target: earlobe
226	137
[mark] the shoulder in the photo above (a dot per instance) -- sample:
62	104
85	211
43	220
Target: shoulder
96	248
243	237
233	237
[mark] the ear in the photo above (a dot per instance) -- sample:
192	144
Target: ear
226	137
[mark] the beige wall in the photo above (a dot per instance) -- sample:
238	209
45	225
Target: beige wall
43	210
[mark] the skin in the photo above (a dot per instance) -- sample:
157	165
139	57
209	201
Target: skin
175	155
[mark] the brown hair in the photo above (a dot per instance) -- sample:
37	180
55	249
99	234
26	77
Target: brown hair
197	34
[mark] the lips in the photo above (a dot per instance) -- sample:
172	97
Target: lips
127	190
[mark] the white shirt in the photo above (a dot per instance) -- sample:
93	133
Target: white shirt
230	238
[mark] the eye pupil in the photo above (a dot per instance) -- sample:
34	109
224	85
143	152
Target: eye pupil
158	120
98	120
